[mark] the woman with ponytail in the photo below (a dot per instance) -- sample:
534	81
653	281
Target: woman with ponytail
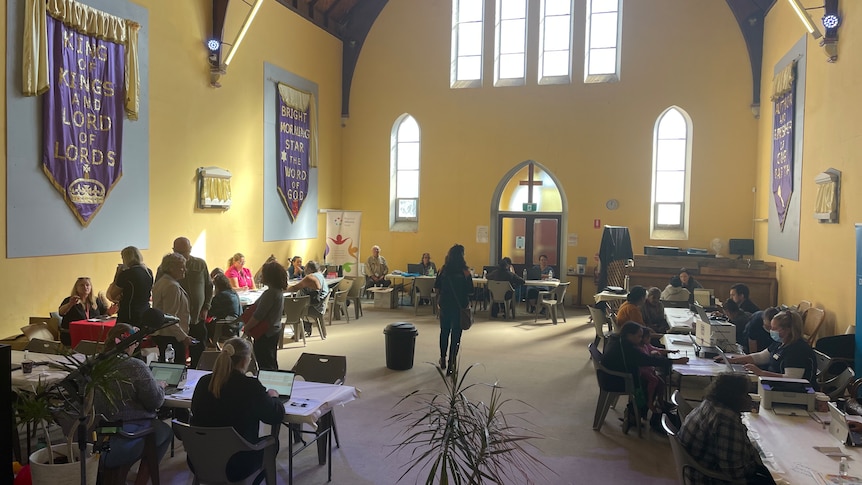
228	397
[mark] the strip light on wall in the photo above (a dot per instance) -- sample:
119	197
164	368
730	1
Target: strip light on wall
810	26
245	26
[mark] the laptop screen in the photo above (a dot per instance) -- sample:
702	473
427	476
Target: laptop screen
703	296
701	313
168	372
280	380
415	268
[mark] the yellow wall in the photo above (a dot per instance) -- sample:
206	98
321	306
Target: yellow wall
597	138
193	125
825	272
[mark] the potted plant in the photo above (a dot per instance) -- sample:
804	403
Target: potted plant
461	440
70	404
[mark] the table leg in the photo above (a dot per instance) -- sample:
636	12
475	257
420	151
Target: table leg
324	432
580	287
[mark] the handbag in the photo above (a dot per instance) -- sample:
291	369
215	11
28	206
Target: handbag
258	330
465	316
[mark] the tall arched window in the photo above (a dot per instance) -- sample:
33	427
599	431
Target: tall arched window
404	174
671	174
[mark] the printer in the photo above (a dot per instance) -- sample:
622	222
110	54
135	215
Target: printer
784	390
713	333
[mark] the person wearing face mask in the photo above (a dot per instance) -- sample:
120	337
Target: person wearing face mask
789	356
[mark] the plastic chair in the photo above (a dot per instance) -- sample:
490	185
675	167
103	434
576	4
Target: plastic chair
149	460
600	321
326	369
89	347
424	289
683	408
295	311
812	323
224	328
339	301
354	295
498	290
207	359
612	384
683	459
552	300
833	381
318	317
209	449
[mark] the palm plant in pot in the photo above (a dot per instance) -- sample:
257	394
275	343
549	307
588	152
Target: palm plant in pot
68	403
459	440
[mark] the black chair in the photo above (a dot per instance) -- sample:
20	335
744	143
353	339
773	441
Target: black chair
210	449
839	347
149	459
327	369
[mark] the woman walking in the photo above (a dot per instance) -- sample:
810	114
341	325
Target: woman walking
454	285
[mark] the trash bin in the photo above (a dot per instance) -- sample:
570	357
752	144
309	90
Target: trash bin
400	345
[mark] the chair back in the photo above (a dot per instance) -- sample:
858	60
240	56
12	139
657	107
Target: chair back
812	323
803	306
207	359
560	292
683	408
600	320
683	459
357	287
835	385
340	297
345	285
89	347
295	308
327	369
498	290
209	449
424	286
823	361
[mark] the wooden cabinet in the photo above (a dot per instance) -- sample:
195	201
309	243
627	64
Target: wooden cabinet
718	274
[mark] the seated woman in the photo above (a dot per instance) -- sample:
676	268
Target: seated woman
789	356
238	275
225	303
81	305
630	311
653	312
314	285
428	266
505	272
295	270
228	397
136	397
624	355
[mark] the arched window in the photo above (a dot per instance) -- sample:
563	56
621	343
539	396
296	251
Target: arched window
466	61
671	174
404	174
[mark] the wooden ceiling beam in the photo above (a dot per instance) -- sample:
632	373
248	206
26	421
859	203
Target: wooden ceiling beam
219	14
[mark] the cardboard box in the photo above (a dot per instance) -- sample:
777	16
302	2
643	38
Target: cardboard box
385	297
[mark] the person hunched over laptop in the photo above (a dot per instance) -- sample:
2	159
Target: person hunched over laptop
228	397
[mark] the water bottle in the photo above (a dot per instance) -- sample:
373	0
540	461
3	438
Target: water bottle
843	468
550	274
485	273
525	273
169	353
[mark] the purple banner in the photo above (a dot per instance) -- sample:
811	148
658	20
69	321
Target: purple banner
782	153
294	147
83	118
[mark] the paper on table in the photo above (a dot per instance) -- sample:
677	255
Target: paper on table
831	451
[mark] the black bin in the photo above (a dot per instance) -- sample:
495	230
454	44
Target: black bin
400	345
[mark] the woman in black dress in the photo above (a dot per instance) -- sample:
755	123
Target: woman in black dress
132	286
454	285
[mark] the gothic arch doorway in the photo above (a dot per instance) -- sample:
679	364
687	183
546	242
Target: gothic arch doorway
529	214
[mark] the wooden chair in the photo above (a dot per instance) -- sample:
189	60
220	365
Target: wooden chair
803	307
684	460
354	295
295	313
612	384
812	322
552	301
424	290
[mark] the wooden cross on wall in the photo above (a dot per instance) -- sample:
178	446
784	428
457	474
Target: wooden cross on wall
530	182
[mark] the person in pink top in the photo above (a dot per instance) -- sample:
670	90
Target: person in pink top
238	275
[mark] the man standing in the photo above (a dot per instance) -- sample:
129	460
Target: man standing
376	268
196	282
739	293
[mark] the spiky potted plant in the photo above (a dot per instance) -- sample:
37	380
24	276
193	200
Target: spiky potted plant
458	439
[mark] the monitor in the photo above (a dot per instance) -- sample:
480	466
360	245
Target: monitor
741	247
415	268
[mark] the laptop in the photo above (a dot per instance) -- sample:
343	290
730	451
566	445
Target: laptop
704	317
173	374
534	273
839	428
415	268
280	380
732	368
704	297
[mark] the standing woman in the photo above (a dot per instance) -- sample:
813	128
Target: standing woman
82	304
228	397
132	286
270	306
454	285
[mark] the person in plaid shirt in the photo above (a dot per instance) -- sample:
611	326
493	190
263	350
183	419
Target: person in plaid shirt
713	434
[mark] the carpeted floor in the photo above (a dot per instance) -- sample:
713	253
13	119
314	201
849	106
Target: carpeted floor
544	365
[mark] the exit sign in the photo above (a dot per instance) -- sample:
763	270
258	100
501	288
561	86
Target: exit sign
530	207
